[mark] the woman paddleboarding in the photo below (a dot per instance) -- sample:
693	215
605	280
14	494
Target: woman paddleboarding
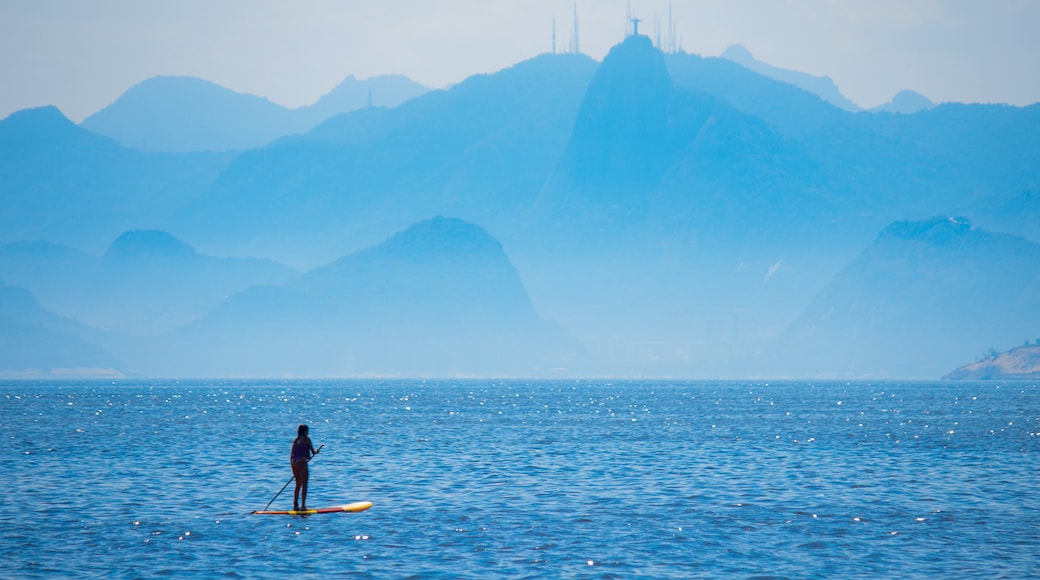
302	451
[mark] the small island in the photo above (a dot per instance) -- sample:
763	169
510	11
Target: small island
1018	363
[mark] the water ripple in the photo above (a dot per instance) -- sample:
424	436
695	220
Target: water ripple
471	479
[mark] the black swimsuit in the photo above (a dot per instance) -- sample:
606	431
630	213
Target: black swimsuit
300	450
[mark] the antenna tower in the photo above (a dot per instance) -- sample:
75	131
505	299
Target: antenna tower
554	33
667	40
575	42
672	45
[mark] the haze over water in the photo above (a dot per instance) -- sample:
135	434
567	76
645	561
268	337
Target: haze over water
520	479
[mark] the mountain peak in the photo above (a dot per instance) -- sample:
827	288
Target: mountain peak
738	53
41	126
905	102
148	244
47	129
452	264
181	114
35	115
635	59
926	294
1018	363
822	87
354	93
441	236
622	124
934	229
177	114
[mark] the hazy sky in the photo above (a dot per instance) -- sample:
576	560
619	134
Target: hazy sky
81	55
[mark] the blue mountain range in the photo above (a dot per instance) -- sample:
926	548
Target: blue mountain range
650	215
187	114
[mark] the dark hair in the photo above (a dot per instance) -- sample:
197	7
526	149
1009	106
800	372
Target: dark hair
301	431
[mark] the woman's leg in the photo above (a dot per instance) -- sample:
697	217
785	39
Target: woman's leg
300	483
301	480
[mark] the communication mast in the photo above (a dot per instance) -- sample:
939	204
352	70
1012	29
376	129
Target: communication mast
575	41
667	40
554	33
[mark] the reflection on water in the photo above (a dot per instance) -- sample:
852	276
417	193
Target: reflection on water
523	479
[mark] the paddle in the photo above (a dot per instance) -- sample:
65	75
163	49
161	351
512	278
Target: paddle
290	481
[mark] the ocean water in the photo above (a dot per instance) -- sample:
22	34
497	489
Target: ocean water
477	479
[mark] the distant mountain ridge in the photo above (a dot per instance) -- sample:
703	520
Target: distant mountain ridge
187	114
146	283
901	304
479	151
644	147
1020	363
429	263
822	87
437	299
64	184
621	143
35	343
696	219
178	114
353	93
905	102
